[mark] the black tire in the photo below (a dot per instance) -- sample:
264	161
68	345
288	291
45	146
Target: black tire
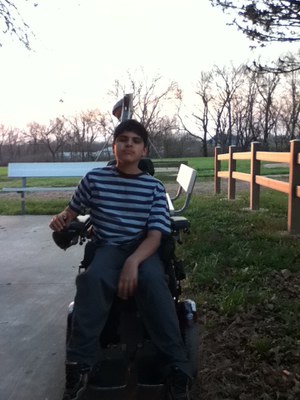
191	338
69	327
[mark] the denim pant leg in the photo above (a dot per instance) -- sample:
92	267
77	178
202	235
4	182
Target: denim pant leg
158	311
96	288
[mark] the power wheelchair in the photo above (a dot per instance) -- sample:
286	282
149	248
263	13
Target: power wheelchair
125	344
127	351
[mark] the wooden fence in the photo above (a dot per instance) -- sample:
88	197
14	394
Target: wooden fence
291	188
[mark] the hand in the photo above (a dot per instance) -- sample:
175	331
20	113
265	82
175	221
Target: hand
60	221
128	279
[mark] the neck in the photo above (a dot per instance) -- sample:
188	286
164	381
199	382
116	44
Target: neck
130	169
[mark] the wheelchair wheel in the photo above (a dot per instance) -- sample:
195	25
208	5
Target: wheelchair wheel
191	338
69	322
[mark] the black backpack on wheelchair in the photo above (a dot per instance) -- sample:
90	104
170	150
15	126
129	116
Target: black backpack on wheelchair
124	340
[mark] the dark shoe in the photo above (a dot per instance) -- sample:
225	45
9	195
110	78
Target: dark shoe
76	380
179	385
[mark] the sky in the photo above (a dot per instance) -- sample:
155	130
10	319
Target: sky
81	47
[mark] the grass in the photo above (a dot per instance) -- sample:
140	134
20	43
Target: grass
231	254
33	206
204	167
261	345
235	237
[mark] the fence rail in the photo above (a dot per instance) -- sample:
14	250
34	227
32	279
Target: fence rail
291	188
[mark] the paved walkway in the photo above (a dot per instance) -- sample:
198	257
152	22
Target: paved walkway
36	285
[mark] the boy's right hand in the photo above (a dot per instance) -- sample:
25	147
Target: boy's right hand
128	279
60	221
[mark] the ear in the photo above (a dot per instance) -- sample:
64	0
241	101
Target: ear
114	148
145	152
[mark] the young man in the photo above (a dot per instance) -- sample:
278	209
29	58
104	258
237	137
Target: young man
129	215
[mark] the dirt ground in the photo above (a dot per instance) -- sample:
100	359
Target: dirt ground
231	367
201	187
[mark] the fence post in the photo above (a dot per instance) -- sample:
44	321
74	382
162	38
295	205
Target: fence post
294	181
217	169
254	170
23	210
231	168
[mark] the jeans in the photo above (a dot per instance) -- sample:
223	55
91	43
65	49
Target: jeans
96	290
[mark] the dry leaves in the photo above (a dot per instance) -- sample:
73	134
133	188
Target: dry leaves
251	355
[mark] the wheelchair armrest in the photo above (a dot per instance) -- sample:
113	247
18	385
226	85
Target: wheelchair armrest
70	235
179	223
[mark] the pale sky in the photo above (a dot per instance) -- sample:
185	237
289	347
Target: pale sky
81	47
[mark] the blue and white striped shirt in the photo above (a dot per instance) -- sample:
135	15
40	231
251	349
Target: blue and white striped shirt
122	207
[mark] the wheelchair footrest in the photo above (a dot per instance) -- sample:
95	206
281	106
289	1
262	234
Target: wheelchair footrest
110	373
149	366
151	392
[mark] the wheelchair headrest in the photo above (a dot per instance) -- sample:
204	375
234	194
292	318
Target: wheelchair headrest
145	165
69	236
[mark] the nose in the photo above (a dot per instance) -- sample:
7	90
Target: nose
129	142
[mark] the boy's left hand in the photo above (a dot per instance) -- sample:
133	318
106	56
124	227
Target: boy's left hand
128	279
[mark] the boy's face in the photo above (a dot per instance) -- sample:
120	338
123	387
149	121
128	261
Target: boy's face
129	148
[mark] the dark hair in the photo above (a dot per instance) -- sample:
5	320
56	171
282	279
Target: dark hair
131	125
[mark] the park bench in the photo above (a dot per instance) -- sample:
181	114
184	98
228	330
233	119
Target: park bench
24	171
167	166
185	179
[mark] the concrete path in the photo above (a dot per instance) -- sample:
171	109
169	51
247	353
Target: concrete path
36	285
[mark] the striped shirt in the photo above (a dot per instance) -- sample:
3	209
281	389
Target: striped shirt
122	207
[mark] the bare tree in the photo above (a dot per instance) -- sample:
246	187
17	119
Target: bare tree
33	135
85	128
13	139
43	138
166	138
290	109
3	138
13	23
227	82
266	86
245	112
152	100
265	21
51	137
201	117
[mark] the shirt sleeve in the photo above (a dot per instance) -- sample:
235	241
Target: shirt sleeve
159	218
81	197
